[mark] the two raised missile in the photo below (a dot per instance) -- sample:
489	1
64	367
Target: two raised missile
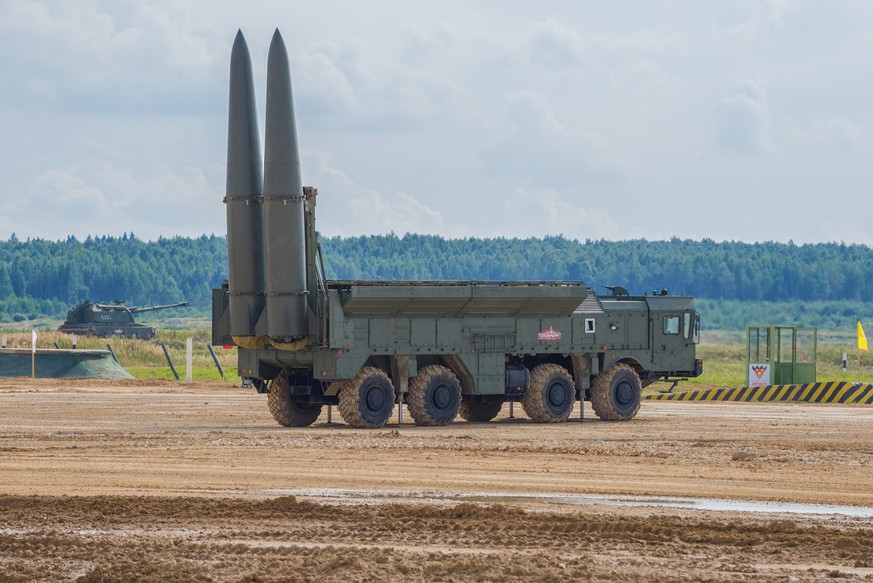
265	219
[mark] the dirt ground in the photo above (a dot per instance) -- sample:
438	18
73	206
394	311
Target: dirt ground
159	481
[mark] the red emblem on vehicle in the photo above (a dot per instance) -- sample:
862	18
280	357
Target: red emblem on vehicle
550	335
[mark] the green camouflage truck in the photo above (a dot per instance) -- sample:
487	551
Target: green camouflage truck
443	348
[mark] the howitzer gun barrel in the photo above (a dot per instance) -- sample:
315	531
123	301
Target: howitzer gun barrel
154	308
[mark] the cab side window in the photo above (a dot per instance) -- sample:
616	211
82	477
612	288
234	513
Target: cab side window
691	324
671	324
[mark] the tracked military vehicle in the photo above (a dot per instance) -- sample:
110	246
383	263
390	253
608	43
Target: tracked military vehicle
115	319
444	348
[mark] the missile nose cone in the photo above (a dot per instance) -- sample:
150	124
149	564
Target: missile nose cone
244	153
281	154
277	59
277	38
278	66
239	53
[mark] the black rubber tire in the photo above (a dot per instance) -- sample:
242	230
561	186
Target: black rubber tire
287	411
616	394
368	399
478	411
551	394
434	396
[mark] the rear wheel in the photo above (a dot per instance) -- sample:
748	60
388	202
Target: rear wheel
434	396
286	410
477	411
616	393
368	399
551	394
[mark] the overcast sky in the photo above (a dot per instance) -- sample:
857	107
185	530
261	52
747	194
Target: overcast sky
733	119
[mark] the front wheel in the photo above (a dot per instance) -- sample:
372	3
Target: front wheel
368	399
551	394
286	410
616	393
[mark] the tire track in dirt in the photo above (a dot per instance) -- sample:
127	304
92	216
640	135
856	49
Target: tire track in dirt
105	538
155	482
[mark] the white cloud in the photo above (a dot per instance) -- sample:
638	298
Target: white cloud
540	149
323	88
555	42
842	228
745	124
351	209
398	213
838	132
768	15
96	198
423	45
344	80
81	56
420	109
544	212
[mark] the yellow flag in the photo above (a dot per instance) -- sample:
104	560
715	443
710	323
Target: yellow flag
862	340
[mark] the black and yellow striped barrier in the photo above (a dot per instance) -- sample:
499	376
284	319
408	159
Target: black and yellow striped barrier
833	392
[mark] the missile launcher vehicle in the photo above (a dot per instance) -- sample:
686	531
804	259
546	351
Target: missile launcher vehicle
444	348
115	319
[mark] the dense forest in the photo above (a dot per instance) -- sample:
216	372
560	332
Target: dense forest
821	284
46	278
706	269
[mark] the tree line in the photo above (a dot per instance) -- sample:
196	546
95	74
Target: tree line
45	278
728	270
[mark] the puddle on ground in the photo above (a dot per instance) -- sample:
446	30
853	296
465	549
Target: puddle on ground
684	503
375	496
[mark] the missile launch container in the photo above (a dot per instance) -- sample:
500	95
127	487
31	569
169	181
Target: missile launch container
444	348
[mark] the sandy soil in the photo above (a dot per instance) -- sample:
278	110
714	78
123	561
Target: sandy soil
132	480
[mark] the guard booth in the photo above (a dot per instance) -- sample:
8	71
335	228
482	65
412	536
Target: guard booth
780	355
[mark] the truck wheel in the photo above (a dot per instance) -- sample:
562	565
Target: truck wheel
434	396
368	399
286	410
616	393
477	411
551	394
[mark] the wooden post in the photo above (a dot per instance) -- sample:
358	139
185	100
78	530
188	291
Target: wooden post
189	360
217	363
33	356
170	361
